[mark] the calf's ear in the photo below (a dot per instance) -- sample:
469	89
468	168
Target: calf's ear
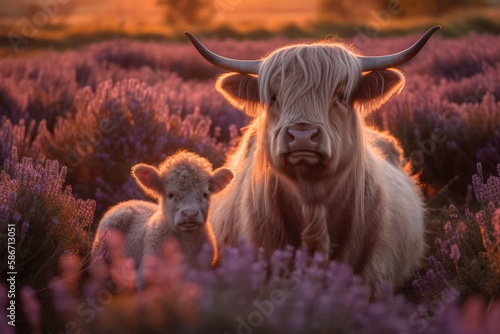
376	87
148	179
241	90
220	180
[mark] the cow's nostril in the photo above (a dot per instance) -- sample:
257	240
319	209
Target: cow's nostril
289	136
315	136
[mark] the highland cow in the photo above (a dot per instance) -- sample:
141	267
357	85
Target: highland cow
309	172
182	185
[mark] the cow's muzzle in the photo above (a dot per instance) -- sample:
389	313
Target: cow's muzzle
303	142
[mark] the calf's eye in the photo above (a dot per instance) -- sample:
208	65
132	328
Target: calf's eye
273	98
341	97
205	195
170	195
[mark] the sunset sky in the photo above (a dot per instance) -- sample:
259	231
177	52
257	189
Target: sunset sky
146	16
242	13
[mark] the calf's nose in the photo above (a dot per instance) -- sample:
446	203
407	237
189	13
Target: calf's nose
189	213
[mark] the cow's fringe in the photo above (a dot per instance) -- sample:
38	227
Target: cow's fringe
299	70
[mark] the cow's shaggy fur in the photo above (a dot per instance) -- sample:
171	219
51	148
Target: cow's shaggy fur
353	201
182	185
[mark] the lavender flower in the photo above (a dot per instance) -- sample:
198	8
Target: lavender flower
107	106
4	303
474	240
42	239
55	222
455	252
12	196
17	217
130	103
496	224
24	229
31	308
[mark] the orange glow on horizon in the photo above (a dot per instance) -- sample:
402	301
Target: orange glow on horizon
89	17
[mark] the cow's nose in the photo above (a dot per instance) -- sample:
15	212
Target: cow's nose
303	139
189	213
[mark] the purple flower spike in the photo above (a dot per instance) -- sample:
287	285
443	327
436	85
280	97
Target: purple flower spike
455	252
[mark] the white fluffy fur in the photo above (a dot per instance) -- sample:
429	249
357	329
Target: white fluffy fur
183	181
358	205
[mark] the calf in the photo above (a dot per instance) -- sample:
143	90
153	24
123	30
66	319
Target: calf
182	185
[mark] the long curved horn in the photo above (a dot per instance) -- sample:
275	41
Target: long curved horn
232	65
382	62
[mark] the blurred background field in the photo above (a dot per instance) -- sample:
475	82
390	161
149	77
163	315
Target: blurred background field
99	86
62	24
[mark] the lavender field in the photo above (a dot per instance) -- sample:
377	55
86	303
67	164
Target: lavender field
74	123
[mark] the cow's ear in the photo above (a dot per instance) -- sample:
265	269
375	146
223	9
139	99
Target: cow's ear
148	179
241	90
220	180
376	87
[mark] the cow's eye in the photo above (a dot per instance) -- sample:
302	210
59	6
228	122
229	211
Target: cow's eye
341	97
170	195
273	98
205	195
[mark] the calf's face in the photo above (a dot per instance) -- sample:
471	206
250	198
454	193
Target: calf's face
183	192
